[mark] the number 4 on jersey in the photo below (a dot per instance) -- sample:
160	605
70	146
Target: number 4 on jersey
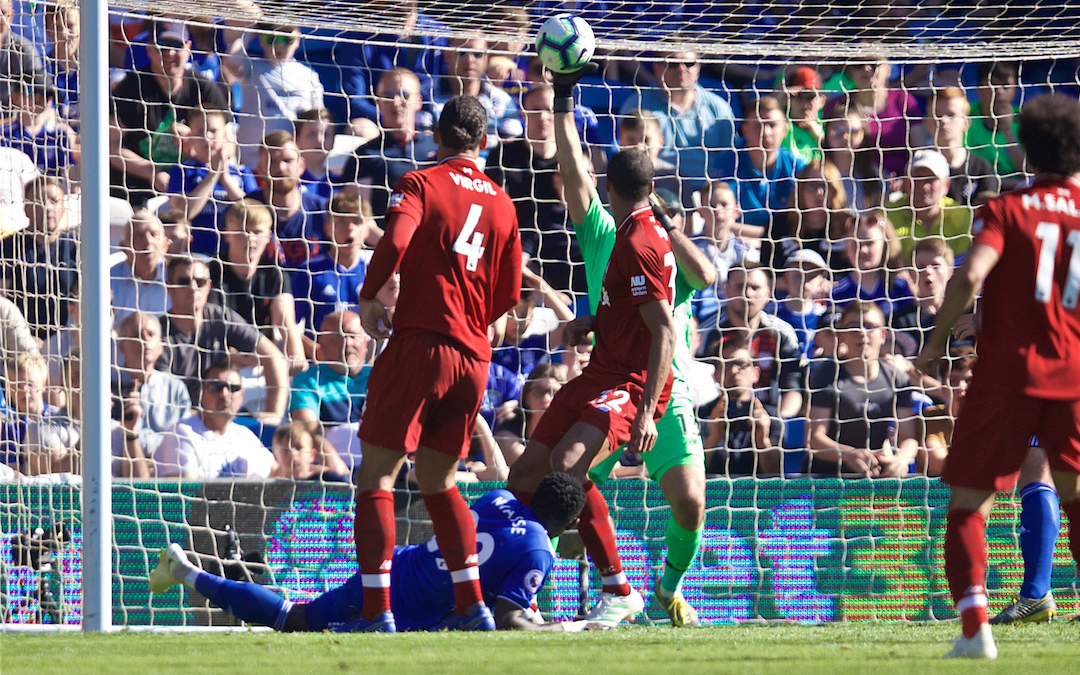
472	250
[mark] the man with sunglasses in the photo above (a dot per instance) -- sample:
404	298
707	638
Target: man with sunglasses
151	111
696	122
276	87
198	334
208	444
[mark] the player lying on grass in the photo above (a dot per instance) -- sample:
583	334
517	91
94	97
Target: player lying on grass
515	557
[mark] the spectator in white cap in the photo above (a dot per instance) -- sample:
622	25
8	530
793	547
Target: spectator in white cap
925	210
803	293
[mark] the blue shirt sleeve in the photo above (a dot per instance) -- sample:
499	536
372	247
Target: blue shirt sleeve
526	578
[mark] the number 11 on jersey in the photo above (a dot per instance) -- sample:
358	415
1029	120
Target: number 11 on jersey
472	250
1050	234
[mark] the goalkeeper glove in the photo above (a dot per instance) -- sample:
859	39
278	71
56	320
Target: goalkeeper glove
563	84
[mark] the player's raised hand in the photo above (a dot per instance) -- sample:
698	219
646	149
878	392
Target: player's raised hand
642	433
577	331
564	83
375	318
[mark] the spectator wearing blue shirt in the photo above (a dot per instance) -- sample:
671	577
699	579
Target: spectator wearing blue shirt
205	185
375	167
328	398
37	130
299	216
137	283
873	249
697	123
503	387
806	283
761	169
62	58
331	281
315	137
720	212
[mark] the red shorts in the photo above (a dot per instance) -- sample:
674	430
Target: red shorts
993	433
423	391
607	403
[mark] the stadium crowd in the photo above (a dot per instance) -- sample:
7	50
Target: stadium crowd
252	164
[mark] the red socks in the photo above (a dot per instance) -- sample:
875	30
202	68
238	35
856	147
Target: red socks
1072	512
455	531
598	533
965	567
374	533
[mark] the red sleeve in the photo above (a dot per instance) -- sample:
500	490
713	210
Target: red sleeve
645	270
403	215
989	226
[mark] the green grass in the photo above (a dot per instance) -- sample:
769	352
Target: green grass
792	650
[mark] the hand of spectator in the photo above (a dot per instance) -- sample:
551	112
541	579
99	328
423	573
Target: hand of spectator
861	461
133	409
900	363
161	181
891	465
375	318
505	411
967	326
760	415
531	280
642	433
564	83
577	331
270	419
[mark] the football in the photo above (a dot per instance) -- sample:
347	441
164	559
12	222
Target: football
565	43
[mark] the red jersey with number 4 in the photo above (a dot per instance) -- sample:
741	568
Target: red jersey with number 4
1030	335
461	269
641	269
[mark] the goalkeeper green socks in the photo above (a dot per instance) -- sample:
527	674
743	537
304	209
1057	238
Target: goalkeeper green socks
682	546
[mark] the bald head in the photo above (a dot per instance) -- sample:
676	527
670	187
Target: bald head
342	342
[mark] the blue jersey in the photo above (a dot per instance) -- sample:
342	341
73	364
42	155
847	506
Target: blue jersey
515	557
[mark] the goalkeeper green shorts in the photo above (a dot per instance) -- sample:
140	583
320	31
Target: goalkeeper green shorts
678	443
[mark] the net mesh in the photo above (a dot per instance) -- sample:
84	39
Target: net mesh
784	540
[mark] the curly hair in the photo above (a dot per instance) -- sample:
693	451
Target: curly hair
558	500
1050	133
463	123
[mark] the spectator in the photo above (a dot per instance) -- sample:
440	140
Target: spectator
138	282
501	395
147	403
466	73
34	437
696	122
937	420
802	292
926	210
969	174
327	398
933	262
804	103
197	333
844	148
641	130
19	58
992	134
873	250
375	167
38	131
246	282
314	131
276	87
208	444
150	112
892	115
176	231
297	456
331	281
514	432
762	169
773	343
39	266
737	441
718	239
818	216
299	215
861	419
521	350
205	184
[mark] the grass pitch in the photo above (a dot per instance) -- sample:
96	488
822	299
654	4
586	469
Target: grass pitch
791	650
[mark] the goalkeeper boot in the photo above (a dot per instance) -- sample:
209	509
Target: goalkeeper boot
676	606
1028	610
478	618
384	623
169	559
979	647
611	609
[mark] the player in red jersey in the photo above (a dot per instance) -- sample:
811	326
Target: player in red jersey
625	387
454	234
1026	258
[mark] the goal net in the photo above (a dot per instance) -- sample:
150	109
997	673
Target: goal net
804	145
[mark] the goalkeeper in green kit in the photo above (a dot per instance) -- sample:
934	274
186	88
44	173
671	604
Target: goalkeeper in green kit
677	461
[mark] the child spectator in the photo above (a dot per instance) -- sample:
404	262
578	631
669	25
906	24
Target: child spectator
720	242
314	131
969	174
937	420
737	427
819	215
209	181
861	418
176	230
297	458
804	103
802	292
933	263
34	437
513	433
873	250
641	130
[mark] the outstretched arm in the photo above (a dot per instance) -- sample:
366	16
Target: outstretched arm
693	264
578	189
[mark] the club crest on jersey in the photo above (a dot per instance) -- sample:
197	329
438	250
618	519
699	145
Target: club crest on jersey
395	200
533	580
637	285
